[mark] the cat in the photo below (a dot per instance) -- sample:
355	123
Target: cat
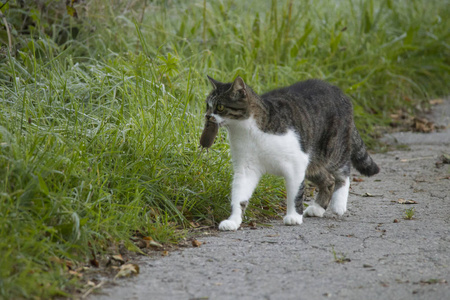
303	131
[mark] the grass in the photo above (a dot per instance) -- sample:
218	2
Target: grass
339	258
409	213
99	133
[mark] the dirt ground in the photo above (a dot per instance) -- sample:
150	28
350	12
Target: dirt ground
372	252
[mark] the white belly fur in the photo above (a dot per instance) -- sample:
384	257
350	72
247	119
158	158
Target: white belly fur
264	152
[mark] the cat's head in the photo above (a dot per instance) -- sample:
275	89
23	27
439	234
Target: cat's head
228	102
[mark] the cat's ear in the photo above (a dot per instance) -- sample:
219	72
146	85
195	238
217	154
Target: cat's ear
239	85
214	82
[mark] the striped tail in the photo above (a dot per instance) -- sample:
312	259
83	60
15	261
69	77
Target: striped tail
361	160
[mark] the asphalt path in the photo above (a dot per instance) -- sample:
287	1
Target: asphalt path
372	252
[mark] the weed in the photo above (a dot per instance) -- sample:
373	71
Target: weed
339	258
409	213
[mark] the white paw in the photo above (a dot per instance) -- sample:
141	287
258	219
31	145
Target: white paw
338	209
228	225
293	219
338	203
314	210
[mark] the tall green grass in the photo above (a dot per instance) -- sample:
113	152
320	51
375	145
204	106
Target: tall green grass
99	135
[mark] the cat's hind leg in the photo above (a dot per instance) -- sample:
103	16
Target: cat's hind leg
325	182
338	204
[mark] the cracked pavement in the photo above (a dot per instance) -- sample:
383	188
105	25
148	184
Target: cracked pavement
371	252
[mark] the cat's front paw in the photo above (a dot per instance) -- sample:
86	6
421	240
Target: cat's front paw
338	209
314	210
228	225
293	219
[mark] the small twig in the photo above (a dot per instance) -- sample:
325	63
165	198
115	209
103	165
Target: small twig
366	195
417	158
92	289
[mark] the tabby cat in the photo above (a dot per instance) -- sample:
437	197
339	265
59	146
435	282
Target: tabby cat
305	130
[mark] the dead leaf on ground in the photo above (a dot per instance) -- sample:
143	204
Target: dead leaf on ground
194	224
366	194
74	273
432	281
404	201
61	261
420	179
90	283
165	253
94	262
355	179
127	270
151	242
118	258
371	195
196	243
422	125
436	101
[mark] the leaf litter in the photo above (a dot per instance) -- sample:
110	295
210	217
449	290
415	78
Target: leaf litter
405	201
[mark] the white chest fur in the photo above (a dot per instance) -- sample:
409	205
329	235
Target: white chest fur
264	152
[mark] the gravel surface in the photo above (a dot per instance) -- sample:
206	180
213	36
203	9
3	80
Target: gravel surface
372	252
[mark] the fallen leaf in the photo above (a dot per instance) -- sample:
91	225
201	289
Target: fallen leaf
165	253
404	201
79	275
367	266
422	125
358	179
127	270
196	243
118	258
436	101
371	195
433	281
194	224
94	262
445	158
150	242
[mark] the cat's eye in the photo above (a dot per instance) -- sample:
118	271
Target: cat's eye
220	107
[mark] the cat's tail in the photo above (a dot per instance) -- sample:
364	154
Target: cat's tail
361	160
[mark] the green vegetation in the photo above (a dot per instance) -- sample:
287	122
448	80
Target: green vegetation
409	213
101	114
339	258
